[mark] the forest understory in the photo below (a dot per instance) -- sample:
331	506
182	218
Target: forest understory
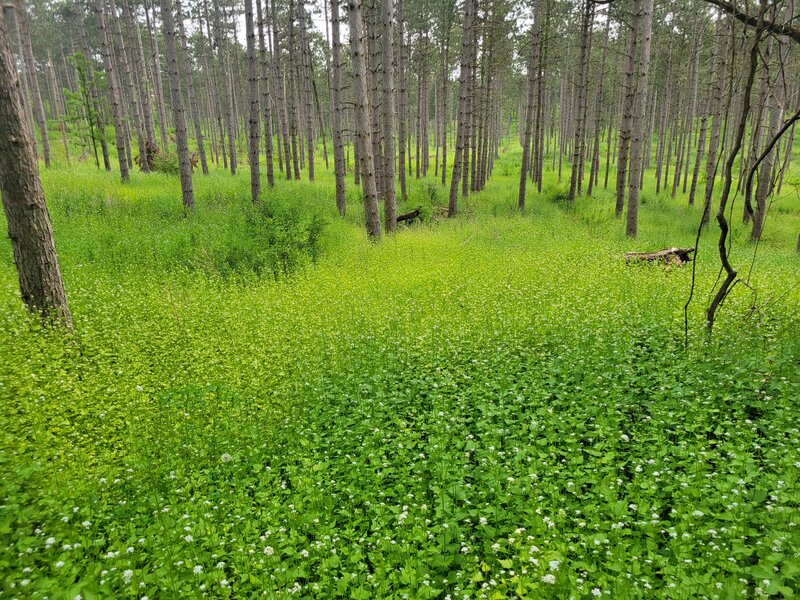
262	402
358	300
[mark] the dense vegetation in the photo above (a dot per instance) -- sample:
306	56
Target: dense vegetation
261	403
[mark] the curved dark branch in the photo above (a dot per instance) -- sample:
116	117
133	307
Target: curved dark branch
748	194
753	21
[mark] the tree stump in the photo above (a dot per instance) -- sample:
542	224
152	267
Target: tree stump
669	256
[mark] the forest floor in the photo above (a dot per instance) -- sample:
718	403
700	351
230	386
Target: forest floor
262	403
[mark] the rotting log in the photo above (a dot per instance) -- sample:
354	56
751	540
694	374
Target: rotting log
409	216
678	256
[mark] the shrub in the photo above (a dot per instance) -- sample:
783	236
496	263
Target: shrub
270	238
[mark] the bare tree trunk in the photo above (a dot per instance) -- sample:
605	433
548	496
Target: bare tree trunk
463	99
777	101
372	23
533	66
217	90
265	96
579	143
362	119
226	94
156	66
305	58
133	96
390	195
401	133
141	73
719	67
113	90
23	199
280	96
294	116
193	109
598	112
254	121
178	113
645	24
30	69
336	106
626	123
59	110
727	182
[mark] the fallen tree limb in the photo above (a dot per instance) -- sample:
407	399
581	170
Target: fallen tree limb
409	216
668	256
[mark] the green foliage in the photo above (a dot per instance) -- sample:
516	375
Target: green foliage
165	162
494	407
270	238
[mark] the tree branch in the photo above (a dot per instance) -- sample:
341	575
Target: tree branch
748	19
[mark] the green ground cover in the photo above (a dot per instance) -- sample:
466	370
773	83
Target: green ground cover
261	403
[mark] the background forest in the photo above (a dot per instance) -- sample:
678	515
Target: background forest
347	312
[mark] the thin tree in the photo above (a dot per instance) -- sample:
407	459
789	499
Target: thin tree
533	66
254	122
194	110
467	39
390	195
178	112
336	109
266	96
113	90
363	127
30	69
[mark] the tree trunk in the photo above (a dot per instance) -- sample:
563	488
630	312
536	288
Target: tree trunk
254	121
363	127
265	96
23	199
390	195
463	100
645	24
401	126
30	69
113	90
336	106
626	123
156	66
226	94
533	76
280	96
579	143
193	108
178	113
305	58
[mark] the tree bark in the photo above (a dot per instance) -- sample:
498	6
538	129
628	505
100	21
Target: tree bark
266	96
193	108
626	123
26	213
363	126
254	122
336	107
178	112
390	195
30	69
113	90
463	100
645	23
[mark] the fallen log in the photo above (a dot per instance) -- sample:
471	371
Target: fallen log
676	256
409	216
